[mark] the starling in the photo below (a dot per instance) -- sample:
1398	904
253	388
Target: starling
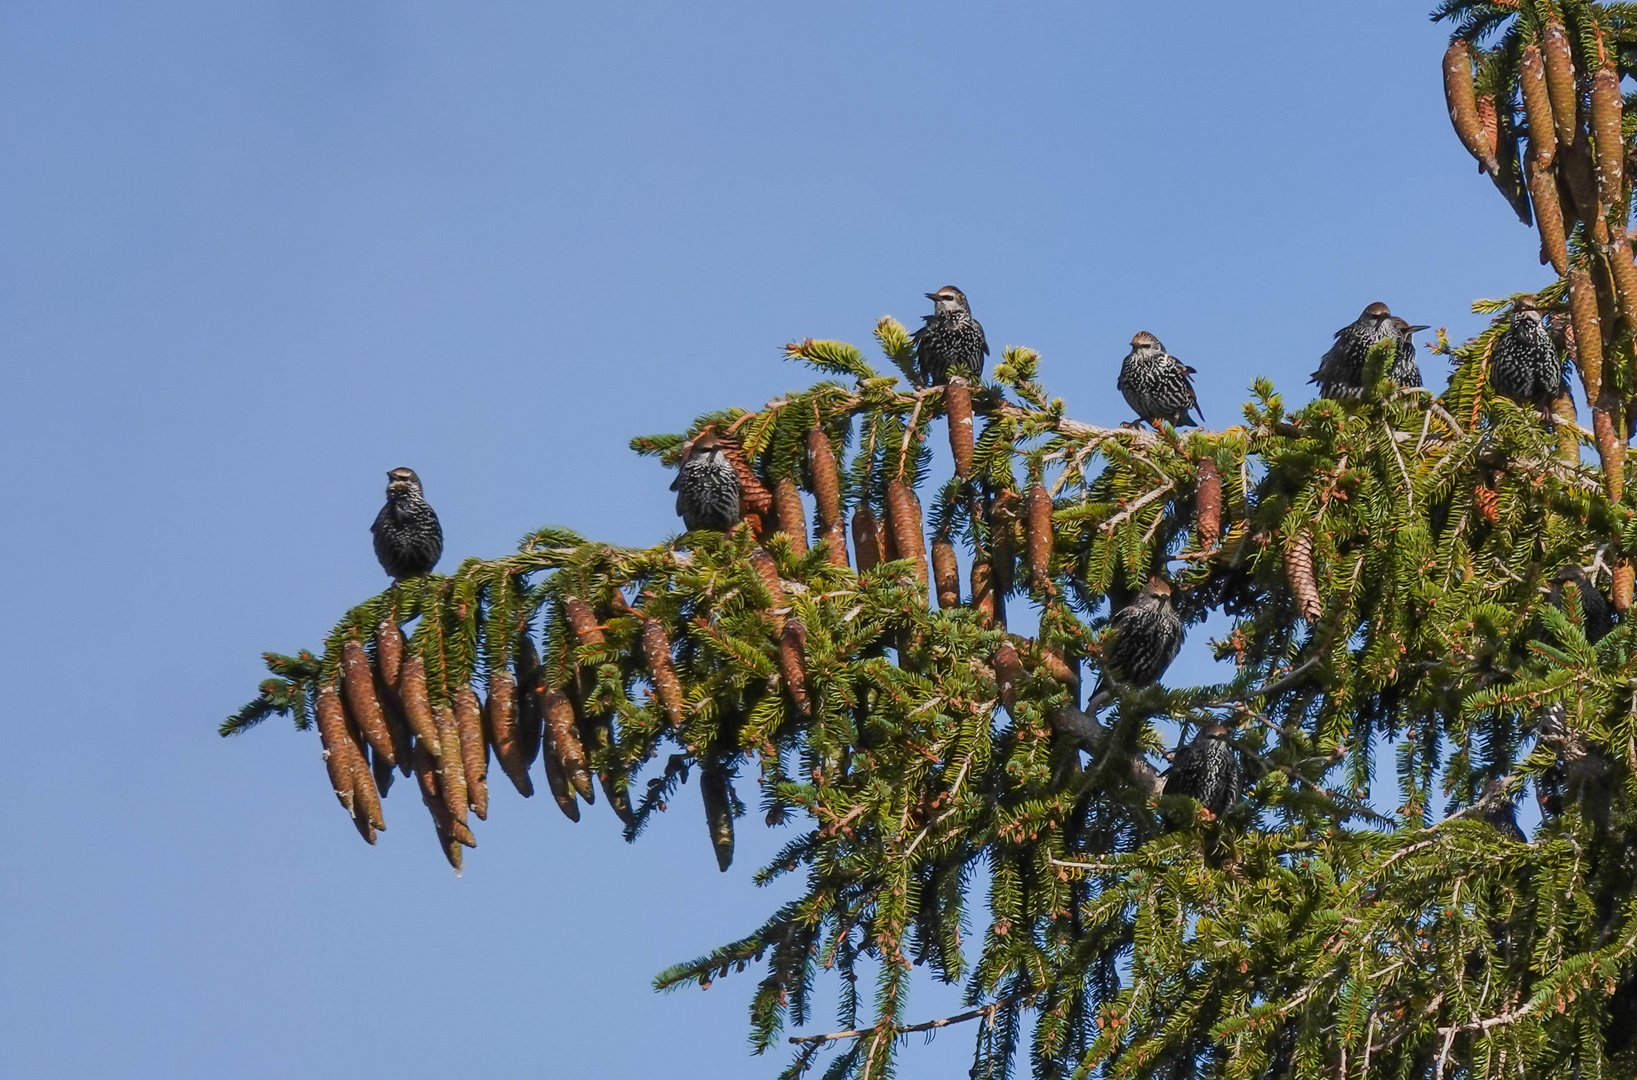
1156	384
1341	372
952	342
1207	770
1526	366
1597	615
408	538
707	486
1143	639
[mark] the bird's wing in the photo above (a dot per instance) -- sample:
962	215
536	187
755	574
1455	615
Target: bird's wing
380	518
1188	374
981	336
677	483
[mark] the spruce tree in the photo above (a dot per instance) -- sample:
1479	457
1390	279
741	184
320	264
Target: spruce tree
1418	584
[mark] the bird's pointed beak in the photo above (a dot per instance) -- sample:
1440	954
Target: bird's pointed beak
1413	329
931	295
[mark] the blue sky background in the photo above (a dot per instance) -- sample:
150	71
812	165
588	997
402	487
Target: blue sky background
252	255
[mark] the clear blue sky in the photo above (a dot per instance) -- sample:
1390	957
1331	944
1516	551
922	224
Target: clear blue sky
253	255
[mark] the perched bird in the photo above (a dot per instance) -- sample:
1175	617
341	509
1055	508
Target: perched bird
1341	372
707	486
1156	384
1207	770
1143	639
1525	365
408	538
952	342
1597	614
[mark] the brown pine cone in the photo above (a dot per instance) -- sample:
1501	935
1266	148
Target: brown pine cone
1537	107
1465	109
1038	536
389	650
426	776
583	621
562	741
1208	505
561	792
904	515
332	737
1299	572
1549	220
834	537
754	496
1488	502
788	513
1560	81
474	750
824	479
656	654
1607	143
451	770
417	706
866	539
1003	524
500	714
793	664
983	592
1008	676
958	410
946	573
714	787
358	685
768	572
1588	333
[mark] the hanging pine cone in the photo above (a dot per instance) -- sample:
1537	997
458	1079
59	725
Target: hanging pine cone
714	787
1299	572
426	777
389	651
866	539
1554	245
824	478
958	410
582	621
983	592
501	715
1610	148
1588	332
1624	578
562	741
793	664
381	769
768	573
1537	107
526	665
1208	505
788	512
1560	81
904	515
561	792
1008	676
452	772
474	751
1054	665
1037	512
358	685
754	496
332	738
1487	500
417	706
1475	129
946	574
656	653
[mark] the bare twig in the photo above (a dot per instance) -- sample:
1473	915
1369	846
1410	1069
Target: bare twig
879	1030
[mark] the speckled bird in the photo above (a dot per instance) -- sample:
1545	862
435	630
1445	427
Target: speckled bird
1156	384
1207	770
1142	640
1341	371
408	537
1525	365
952	342
1580	768
707	487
